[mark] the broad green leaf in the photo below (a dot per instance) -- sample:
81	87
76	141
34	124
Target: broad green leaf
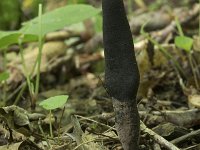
184	42
51	21
11	37
5	33
98	23
59	18
54	102
4	76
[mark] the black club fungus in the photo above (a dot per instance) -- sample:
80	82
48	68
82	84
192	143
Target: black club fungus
121	71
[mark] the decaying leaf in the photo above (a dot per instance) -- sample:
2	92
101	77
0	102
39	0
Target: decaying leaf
170	131
84	141
18	119
194	101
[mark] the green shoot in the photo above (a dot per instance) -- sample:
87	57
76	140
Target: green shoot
50	124
25	70
182	41
40	51
53	103
186	44
179	27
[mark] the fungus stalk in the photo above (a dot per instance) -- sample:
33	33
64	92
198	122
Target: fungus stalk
121	72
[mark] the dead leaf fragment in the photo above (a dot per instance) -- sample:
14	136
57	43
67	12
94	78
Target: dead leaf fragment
194	101
196	44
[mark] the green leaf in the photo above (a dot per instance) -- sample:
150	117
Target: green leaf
98	23
51	21
59	18
184	42
4	76
54	102
11	37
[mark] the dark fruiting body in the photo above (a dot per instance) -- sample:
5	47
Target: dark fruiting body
121	71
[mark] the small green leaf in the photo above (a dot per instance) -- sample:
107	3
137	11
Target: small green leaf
11	37
184	42
54	102
59	18
4	76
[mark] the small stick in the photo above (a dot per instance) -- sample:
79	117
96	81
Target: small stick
184	137
159	139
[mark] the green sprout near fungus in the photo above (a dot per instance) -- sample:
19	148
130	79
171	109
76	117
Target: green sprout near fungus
53	103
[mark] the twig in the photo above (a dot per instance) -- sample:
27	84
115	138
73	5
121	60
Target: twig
184	137
96	122
159	139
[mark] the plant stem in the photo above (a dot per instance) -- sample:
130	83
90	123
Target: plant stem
50	124
176	65
193	70
63	110
199	19
4	68
40	51
179	27
41	130
31	91
20	94
196	68
16	91
167	55
192	65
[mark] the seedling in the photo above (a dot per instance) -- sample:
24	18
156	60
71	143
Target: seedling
53	103
175	63
37	28
186	43
182	41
